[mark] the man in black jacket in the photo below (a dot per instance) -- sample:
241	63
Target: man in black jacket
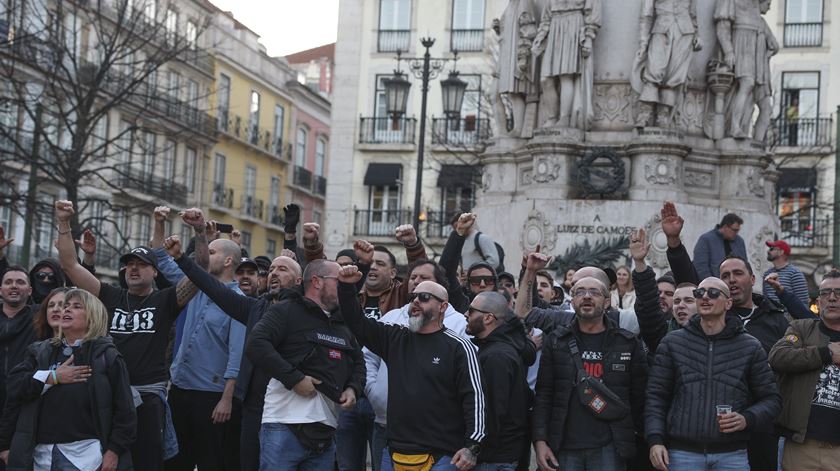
435	400
504	354
568	430
314	363
709	389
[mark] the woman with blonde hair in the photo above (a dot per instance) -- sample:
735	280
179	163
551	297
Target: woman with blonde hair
624	294
76	407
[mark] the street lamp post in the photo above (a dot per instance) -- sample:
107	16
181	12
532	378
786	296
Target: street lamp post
396	93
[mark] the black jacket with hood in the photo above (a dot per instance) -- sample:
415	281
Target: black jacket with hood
16	334
692	373
504	357
115	417
40	289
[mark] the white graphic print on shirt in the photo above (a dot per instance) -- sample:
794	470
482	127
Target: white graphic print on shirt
140	321
827	393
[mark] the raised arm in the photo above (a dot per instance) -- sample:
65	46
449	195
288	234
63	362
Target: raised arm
4	242
678	258
312	246
789	300
372	334
652	323
524	299
67	250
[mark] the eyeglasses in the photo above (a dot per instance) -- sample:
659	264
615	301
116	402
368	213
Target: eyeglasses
827	292
44	276
424	297
713	293
591	292
476	280
473	309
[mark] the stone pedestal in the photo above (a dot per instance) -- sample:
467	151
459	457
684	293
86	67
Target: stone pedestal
657	165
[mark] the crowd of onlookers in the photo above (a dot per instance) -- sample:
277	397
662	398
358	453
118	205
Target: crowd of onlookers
203	357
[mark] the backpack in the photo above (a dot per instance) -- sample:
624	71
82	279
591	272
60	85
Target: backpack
501	267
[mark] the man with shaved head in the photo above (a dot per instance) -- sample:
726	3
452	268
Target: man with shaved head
568	430
436	406
504	353
284	280
707	421
207	362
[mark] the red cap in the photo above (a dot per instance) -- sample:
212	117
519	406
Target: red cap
779	244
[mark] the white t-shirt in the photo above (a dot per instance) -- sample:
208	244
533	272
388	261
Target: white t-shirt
287	407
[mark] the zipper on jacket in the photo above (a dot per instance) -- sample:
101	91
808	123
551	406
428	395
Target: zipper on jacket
709	380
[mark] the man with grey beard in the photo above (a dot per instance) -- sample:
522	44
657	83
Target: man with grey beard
430	416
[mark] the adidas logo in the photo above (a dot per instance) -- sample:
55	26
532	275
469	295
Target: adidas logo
436	361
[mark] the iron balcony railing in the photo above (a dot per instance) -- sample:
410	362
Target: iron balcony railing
803	34
320	186
274	215
148	183
467	131
804	132
437	223
222	197
467	40
387	130
393	40
248	133
803	231
251	207
373	222
302	178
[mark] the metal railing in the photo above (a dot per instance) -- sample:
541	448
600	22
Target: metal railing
302	178
799	231
251	207
437	223
148	183
467	40
274	215
393	40
466	131
242	130
803	34
372	222
387	130
803	132
222	197
320	186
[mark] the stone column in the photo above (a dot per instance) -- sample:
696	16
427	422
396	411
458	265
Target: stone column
656	169
745	181
554	152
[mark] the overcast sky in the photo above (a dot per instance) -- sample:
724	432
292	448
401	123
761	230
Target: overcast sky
287	26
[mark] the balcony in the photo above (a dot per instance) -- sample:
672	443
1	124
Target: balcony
243	131
222	197
302	178
467	40
393	40
251	207
372	222
274	215
320	186
387	131
465	132
150	184
437	223
803	34
803	231
803	132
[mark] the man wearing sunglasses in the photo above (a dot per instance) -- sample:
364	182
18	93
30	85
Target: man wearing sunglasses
710	388
807	360
436	403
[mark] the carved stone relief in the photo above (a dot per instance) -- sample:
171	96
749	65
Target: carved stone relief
755	181
661	171
699	178
526	176
545	170
657	257
757	251
538	231
613	103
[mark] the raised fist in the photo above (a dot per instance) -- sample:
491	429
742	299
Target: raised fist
349	274
291	217
288	253
172	244
465	224
311	232
161	213
406	234
364	251
64	210
193	217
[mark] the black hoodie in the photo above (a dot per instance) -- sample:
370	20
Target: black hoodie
40	289
504	357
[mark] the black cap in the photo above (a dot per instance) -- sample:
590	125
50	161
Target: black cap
247	261
144	253
263	262
508	276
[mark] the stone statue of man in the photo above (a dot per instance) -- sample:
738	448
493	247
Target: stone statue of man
517	81
739	28
767	48
668	35
564	40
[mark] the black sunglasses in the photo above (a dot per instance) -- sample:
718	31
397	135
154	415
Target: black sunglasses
424	297
713	293
476	280
44	276
474	309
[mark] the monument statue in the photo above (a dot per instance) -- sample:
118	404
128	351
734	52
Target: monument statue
763	91
564	42
667	38
517	81
741	35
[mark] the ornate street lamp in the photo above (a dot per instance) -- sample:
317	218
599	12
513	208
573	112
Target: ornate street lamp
396	98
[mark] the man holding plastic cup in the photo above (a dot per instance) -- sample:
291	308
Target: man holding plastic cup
709	387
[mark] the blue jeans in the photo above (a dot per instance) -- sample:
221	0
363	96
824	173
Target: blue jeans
354	434
689	461
280	450
443	464
591	459
495	467
379	442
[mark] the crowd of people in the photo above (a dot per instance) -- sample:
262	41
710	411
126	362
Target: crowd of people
204	358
